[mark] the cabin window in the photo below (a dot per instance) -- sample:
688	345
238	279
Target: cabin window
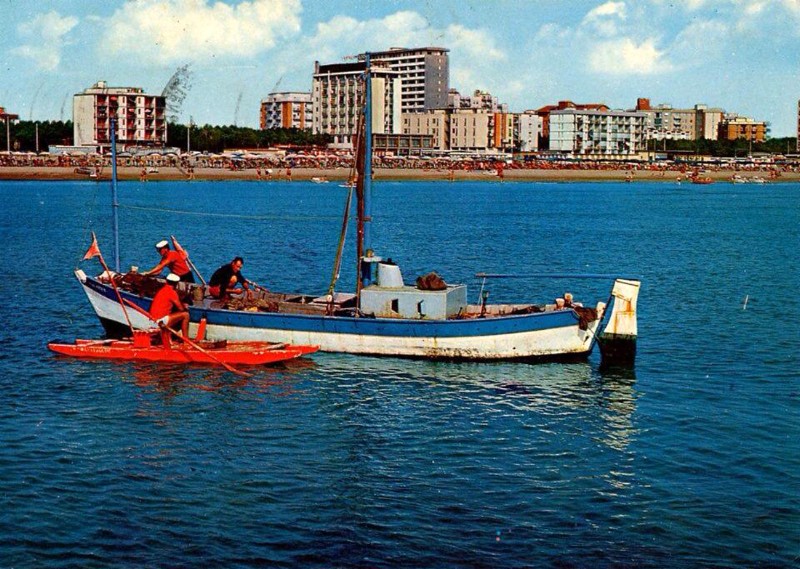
395	305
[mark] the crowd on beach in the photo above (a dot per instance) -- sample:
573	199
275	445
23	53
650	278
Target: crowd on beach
265	165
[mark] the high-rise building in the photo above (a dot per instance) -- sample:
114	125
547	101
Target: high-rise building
141	118
597	133
424	75
337	97
286	110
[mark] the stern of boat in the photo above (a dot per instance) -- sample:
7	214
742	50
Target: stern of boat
617	339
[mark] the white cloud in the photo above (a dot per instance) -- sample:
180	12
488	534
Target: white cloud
607	9
623	56
341	36
606	18
167	31
46	38
474	43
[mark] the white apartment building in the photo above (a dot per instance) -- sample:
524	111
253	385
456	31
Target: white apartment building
141	118
424	75
600	134
286	110
337	97
528	129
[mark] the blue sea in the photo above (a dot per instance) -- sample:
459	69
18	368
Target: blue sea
691	459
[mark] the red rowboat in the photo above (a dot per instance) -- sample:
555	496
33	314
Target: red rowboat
223	352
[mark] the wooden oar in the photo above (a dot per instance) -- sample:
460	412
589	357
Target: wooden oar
203	350
188	341
183	252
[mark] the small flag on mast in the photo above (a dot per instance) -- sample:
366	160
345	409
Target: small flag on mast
93	250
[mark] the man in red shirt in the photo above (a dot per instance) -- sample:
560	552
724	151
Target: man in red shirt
172	260
167	304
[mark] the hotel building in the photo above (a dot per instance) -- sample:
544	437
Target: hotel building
286	110
424	75
337	97
141	118
464	131
597	134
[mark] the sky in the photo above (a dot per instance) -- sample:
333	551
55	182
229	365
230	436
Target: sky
740	55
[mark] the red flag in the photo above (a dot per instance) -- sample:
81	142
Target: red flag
178	248
93	250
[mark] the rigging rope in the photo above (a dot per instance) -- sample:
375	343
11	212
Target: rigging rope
230	215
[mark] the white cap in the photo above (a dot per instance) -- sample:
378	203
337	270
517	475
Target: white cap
173	278
162	244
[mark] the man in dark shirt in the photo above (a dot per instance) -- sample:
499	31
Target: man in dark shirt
227	277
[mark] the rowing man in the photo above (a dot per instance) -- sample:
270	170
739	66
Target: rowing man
167	304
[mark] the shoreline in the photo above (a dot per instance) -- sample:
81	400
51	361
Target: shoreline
171	173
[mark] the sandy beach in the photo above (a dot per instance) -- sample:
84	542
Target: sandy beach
341	174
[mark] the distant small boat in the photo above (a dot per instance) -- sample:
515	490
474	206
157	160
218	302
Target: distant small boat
318	180
141	348
702	180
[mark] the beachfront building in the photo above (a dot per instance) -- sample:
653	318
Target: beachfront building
501	132
707	122
337	97
433	123
663	122
667	123
470	132
734	127
596	134
545	111
141	118
286	110
528	130
424	74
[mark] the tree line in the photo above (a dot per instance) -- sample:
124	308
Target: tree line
208	138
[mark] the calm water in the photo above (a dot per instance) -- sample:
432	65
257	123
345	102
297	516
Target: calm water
691	460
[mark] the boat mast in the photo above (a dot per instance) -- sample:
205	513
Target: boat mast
364	187
114	201
368	160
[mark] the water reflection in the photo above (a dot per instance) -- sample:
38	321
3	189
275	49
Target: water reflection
605	398
172	380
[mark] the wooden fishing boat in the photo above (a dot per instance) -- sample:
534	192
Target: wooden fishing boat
386	316
142	348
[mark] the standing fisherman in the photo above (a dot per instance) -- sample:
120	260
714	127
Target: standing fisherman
172	260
